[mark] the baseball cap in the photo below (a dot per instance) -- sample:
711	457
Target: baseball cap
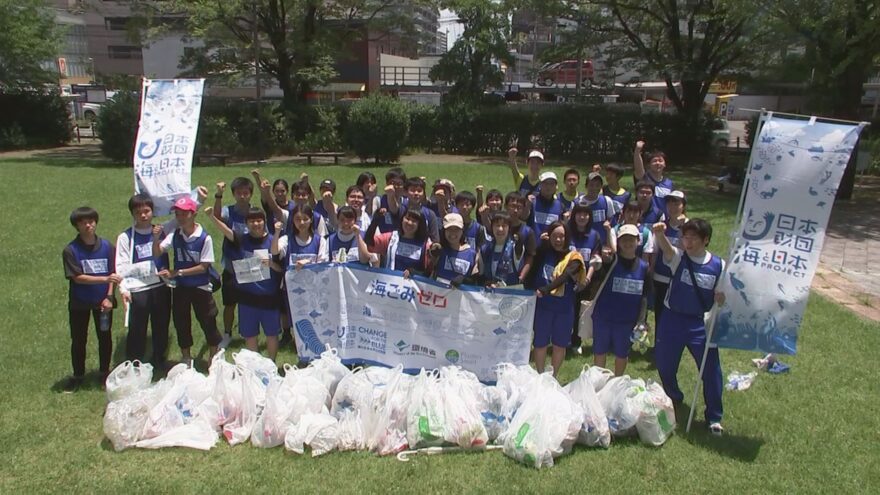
595	175
327	184
548	176
186	204
627	230
677	194
536	154
453	220
444	183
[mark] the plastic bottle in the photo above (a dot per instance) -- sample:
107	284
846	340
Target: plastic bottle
104	321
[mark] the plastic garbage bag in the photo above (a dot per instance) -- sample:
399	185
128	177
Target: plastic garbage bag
360	389
319	431
657	418
263	367
545	426
253	400
180	403
196	435
515	381
599	377
462	423
386	421
492	402
124	419
128	378
287	400
425	418
594	431
351	430
329	370
226	389
619	401
740	381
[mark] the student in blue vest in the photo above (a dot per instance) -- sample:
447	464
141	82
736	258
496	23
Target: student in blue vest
474	233
586	241
347	245
415	199
631	216
394	192
560	274
546	207
300	192
675	206
404	249
501	256
441	200
514	204
367	182
453	260
485	211
292	251
234	217
281	196
526	185
622	302
193	254
147	296
692	292
570	180
602	207
650	212
257	287
89	267
613	190
653	175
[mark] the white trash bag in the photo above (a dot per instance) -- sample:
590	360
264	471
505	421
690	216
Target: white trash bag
545	426
196	435
226	389
425	417
253	400
318	431
462	423
360	389
598	376
264	368
657	419
124	419
594	428
128	378
386	421
329	370
492	402
351	431
621	405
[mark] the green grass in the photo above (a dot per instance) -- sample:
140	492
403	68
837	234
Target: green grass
800	432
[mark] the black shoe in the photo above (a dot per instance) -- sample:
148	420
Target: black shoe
286	338
102	376
71	385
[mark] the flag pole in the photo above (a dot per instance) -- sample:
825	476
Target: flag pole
710	326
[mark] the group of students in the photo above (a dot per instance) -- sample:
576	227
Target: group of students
627	254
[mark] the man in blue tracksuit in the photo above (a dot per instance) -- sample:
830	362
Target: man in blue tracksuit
692	292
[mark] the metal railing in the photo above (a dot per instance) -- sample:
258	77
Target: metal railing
393	75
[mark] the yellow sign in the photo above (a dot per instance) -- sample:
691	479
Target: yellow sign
722	87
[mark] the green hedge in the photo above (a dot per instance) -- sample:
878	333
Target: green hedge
378	127
33	120
118	124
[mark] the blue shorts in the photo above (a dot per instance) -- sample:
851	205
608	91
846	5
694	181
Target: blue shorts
553	324
612	336
250	319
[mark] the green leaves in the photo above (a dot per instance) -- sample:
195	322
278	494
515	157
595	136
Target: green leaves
29	43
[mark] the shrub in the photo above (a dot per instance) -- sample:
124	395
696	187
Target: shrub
118	124
216	136
323	132
378	127
33	119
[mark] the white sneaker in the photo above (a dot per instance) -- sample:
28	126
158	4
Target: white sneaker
716	429
224	343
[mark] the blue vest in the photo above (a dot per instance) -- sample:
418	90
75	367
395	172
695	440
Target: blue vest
587	244
620	299
653	215
409	253
524	232
387	222
143	249
660	267
546	264
95	262
661	189
270	214
296	252
566	204
618	199
544	213
682	296
526	187
245	250
188	255
600	211
350	247
474	235
500	266
316	219
453	263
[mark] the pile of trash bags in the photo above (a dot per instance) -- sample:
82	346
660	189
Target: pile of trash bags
326	407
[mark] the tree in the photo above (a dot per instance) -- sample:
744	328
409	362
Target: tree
29	39
470	65
841	41
690	42
295	41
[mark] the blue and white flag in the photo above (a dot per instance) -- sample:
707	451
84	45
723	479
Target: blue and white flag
166	139
796	167
375	316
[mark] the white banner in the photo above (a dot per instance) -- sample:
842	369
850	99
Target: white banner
796	167
376	316
166	139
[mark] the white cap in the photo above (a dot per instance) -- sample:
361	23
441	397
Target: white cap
548	176
627	230
677	194
453	220
536	154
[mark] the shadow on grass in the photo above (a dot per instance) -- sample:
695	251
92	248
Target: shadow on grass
736	447
92	380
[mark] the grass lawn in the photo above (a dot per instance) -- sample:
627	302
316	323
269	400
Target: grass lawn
812	430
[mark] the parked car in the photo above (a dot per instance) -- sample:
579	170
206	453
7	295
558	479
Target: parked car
565	72
90	111
720	133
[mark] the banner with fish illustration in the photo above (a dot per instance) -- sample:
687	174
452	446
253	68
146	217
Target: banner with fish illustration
796	167
166	139
375	316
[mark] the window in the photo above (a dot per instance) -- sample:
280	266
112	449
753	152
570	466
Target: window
125	52
116	23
